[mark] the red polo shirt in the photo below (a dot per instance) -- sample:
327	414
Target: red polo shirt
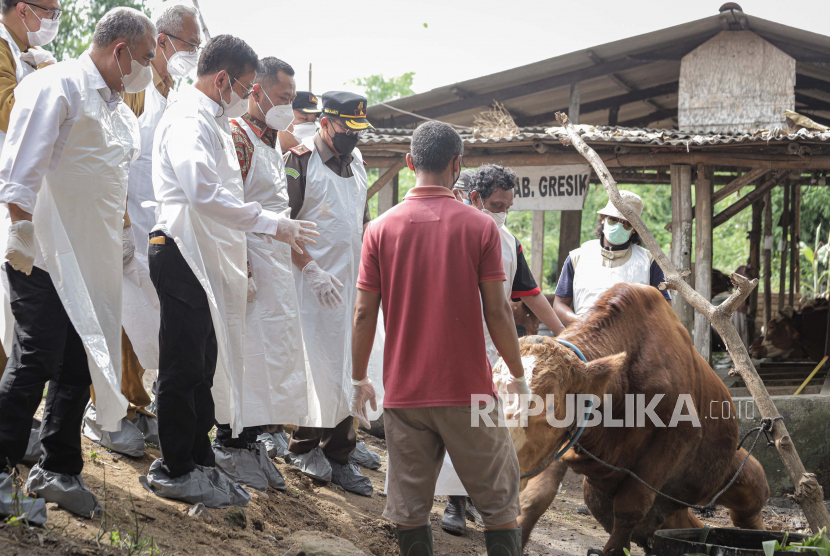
426	257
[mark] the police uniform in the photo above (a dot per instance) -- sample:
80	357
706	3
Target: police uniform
329	189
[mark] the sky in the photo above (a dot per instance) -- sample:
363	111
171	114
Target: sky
447	41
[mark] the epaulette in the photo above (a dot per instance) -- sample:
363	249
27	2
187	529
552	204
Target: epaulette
300	150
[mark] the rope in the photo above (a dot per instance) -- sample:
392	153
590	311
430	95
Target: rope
764	428
414	115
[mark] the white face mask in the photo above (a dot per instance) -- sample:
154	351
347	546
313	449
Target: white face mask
278	117
304	130
139	76
236	107
181	64
47	33
499	217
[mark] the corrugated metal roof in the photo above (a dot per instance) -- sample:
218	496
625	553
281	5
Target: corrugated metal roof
659	51
376	139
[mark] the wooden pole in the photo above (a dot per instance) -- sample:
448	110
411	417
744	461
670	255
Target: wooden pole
795	239
537	247
681	243
785	240
703	257
387	196
808	491
767	259
573	105
825	389
386	177
570	233
755	264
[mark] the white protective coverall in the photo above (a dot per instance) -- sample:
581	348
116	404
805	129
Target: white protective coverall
449	484
336	204
274	383
141	303
198	186
79	209
592	278
21	70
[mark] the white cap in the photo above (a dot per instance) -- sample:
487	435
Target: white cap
632	199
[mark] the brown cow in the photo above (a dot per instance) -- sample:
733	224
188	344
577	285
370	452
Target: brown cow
635	344
523	316
795	335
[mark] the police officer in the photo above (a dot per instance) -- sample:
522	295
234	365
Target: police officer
326	182
304	125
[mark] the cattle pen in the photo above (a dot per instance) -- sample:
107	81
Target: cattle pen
730	109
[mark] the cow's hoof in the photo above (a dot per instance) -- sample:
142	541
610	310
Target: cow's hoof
454	521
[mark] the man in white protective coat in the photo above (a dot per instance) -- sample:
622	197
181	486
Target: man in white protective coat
198	265
176	56
274	381
63	177
490	189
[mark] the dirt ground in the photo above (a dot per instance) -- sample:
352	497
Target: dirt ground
139	522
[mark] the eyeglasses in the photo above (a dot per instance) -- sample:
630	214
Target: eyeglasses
193	47
350	132
56	12
246	89
625	223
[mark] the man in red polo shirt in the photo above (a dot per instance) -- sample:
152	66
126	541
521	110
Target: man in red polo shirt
436	263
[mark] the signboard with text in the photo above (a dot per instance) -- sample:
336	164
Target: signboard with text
551	187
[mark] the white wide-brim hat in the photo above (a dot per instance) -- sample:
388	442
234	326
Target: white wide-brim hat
632	199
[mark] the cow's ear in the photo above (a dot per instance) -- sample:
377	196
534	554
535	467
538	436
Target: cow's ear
601	371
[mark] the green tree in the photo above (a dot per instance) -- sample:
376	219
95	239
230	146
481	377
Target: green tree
78	24
380	89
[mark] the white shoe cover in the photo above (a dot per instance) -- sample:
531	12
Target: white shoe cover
207	485
128	441
31	509
315	464
67	491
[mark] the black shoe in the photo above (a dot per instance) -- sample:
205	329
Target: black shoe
415	542
503	542
472	513
454	522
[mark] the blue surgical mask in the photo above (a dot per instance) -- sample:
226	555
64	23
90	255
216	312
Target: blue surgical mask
467	202
615	233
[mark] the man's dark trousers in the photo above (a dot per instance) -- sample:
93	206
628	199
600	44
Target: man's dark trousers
46	348
187	361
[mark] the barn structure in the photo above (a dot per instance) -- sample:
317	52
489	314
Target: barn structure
731	100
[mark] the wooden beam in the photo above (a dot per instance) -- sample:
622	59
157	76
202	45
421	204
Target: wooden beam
747	200
570	233
767	259
388	196
537	247
638	160
613	115
738	183
386	177
807	82
681	242
520	90
812	102
703	258
795	238
785	228
603	104
755	263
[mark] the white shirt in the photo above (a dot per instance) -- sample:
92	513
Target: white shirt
186	155
46	105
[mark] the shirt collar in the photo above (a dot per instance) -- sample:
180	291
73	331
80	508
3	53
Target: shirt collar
265	133
204	101
326	153
96	80
429	191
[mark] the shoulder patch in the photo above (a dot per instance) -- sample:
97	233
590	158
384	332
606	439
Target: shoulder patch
300	150
292	172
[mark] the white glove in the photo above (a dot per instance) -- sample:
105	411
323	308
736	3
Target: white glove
251	289
362	392
36	57
324	285
294	232
127	245
518	386
20	249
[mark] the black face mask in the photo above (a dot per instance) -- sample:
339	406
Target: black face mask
343	142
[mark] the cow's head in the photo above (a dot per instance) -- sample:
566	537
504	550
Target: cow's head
553	372
781	339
